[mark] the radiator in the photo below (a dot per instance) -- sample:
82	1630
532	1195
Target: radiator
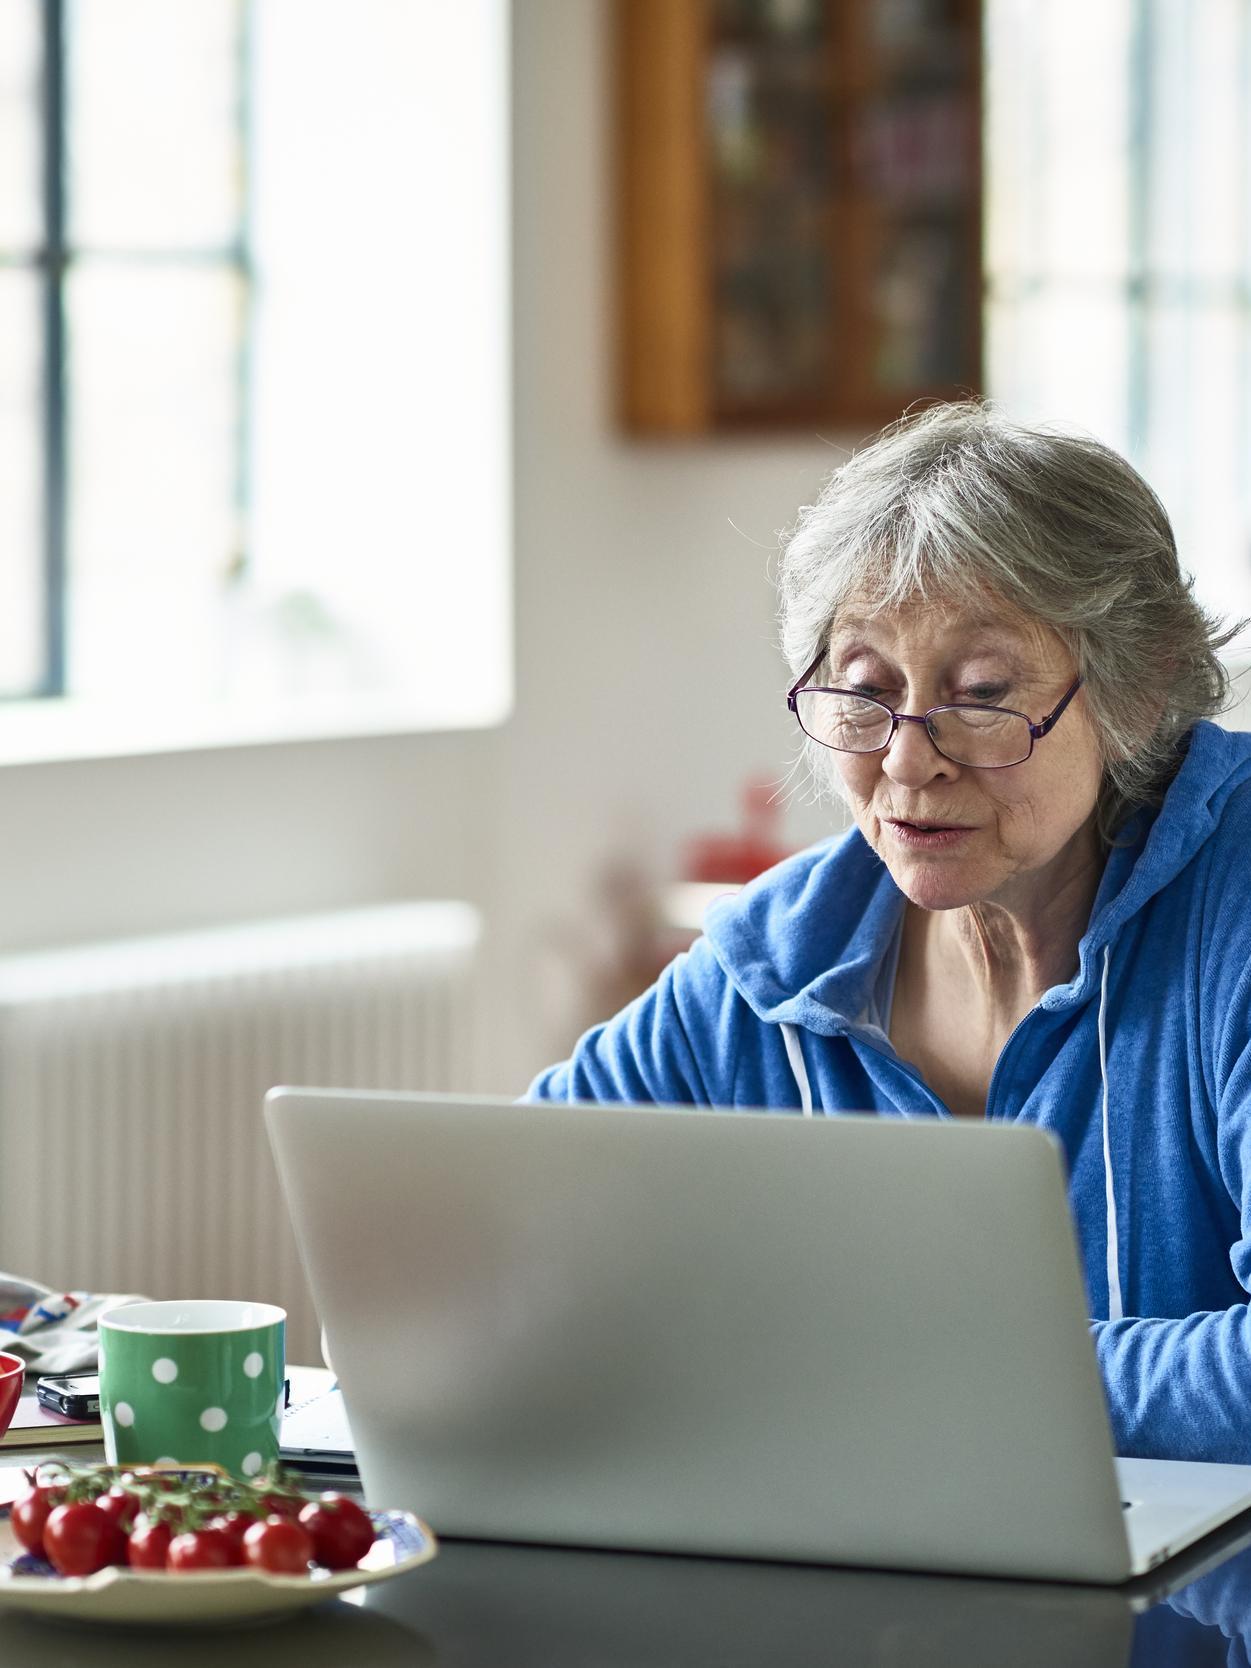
133	1156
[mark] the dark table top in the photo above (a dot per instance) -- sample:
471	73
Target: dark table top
492	1606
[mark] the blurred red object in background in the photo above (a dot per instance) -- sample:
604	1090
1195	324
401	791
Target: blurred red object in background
631	927
732	859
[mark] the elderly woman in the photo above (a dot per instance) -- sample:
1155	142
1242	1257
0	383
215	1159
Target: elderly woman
1042	913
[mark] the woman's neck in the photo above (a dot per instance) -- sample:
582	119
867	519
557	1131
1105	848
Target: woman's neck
1009	949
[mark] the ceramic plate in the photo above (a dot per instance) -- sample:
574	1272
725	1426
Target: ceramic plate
222	1597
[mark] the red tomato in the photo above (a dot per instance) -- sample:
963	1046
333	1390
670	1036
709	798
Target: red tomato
120	1505
234	1525
282	1505
81	1539
199	1549
148	1544
342	1533
30	1513
279	1546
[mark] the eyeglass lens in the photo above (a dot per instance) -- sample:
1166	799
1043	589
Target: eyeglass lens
966	735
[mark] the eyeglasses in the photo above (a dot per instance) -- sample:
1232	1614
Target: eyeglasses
989	738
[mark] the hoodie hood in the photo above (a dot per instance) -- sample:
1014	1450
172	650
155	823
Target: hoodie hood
764	940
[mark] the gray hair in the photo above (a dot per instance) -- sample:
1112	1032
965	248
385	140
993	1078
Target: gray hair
956	501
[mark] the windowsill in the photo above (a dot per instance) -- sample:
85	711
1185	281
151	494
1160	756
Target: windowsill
60	731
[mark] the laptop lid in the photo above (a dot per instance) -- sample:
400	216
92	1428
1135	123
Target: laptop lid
855	1339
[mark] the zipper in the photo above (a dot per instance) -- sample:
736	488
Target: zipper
1003	1055
915	1077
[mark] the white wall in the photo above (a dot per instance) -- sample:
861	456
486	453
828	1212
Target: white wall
648	682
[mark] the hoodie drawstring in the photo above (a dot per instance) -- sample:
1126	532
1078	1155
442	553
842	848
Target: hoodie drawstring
1115	1308
795	1054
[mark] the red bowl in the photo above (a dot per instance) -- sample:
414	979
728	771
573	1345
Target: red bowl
12	1372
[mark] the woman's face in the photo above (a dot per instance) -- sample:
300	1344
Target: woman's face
1010	836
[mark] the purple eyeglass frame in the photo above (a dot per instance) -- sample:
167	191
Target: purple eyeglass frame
1036	731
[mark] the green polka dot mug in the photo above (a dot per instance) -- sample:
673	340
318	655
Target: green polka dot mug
192	1381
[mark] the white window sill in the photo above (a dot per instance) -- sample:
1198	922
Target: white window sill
42	732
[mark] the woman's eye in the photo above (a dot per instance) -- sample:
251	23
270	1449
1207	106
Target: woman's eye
985	694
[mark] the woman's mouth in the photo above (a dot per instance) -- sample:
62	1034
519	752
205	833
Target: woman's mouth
926	836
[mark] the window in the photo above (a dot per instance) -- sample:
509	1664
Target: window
1118	159
253	366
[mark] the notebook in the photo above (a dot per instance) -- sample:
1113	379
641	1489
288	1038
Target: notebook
38	1427
316	1438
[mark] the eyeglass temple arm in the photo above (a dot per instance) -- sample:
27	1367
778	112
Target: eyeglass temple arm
801	680
1049	722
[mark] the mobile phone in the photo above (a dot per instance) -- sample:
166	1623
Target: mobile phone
76	1395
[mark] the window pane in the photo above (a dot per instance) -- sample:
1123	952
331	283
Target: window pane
1159	363
381	512
21	215
153	92
1057	143
378	362
21	542
1061	354
1197	137
1217	521
1197	359
153	427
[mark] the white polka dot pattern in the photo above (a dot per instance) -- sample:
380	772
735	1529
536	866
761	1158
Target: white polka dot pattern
204	1397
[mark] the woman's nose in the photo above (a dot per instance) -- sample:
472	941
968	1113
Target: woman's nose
912	758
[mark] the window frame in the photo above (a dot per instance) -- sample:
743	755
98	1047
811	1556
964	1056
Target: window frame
53	261
44	720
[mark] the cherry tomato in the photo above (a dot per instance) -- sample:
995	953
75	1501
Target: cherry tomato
234	1525
342	1533
120	1505
275	1504
30	1513
199	1549
278	1545
147	1545
81	1539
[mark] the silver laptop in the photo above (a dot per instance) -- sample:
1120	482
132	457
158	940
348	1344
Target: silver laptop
847	1340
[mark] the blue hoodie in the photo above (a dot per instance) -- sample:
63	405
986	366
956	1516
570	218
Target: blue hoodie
1140	1066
